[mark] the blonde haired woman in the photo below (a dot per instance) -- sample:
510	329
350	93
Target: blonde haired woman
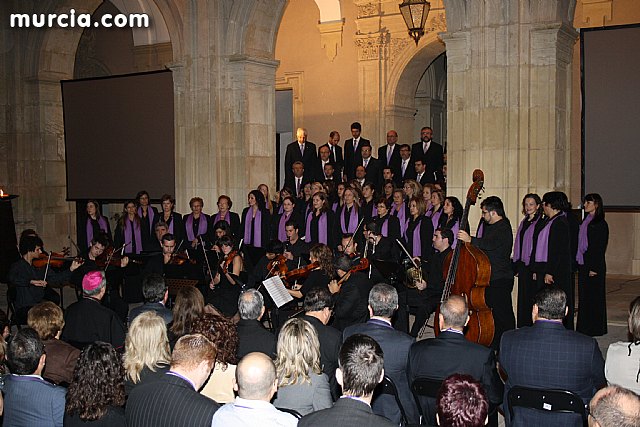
301	384
146	355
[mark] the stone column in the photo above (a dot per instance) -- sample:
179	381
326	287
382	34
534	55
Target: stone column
508	83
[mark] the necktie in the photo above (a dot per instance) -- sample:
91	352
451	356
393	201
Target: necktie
404	166
389	152
302	149
298	186
333	152
355	146
419	177
366	162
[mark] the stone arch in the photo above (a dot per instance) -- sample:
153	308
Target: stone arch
408	68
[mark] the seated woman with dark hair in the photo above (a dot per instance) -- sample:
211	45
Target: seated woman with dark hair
96	394
223	334
188	308
47	320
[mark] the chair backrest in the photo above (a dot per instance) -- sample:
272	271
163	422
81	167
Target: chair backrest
562	401
427	387
388	387
291	411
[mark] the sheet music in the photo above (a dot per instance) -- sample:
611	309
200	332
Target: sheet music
278	292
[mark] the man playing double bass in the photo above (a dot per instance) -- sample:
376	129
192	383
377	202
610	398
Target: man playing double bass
495	239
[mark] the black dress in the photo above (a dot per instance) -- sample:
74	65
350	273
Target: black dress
526	285
592	303
113	418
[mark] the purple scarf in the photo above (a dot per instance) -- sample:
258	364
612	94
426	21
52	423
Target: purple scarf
128	236
522	249
282	232
257	228
401	217
202	226
149	214
169	222
219	218
335	206
480	230
353	219
542	246
322	228
583	240
281	209
435	218
384	230
417	243
103	226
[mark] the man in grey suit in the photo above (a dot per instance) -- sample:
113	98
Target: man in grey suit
548	356
28	399
361	370
383	302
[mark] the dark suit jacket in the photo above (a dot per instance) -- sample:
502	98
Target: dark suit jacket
395	162
88	321
31	401
330	342
409	172
351	159
454	355
374	172
318	171
350	304
293	155
345	412
252	336
338	159
170	401
290	182
156	307
546	355
433	158
395	346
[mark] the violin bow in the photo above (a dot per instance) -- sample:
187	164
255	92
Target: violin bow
204	252
353	235
407	252
46	270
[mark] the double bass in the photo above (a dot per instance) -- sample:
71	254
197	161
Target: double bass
467	274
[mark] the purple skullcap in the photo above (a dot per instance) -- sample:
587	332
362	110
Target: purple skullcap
92	281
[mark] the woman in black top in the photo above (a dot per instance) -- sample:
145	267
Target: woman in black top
592	268
321	224
321	275
388	225
523	246
172	219
147	214
94	224
224	289
96	395
255	221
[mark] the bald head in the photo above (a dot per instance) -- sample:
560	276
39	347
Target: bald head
614	406
256	377
454	312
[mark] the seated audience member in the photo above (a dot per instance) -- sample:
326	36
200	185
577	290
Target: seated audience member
256	383
318	306
359	373
614	407
96	394
302	386
222	333
548	356
88	321
173	400
47	320
252	336
31	288
29	400
155	292
383	302
146	351
622	365
462	402
455	355
188	308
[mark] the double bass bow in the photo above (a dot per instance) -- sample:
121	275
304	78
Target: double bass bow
467	274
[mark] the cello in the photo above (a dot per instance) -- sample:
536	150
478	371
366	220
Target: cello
467	274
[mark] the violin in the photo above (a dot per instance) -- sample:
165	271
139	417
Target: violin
228	260
57	260
181	258
299	273
279	264
110	258
362	265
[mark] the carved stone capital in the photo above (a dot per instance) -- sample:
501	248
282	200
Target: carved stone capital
368	9
372	48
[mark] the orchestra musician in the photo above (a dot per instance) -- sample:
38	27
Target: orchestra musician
173	220
30	283
225	214
296	251
94	224
147	215
224	289
320	276
350	293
